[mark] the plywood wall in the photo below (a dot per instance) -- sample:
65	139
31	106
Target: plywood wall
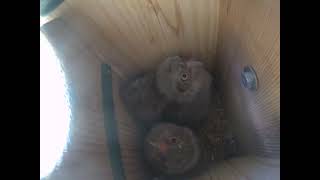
143	32
82	51
87	153
249	34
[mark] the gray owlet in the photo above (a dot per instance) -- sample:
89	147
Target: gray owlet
142	99
187	85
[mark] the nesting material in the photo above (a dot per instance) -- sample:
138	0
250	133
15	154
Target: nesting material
187	86
171	149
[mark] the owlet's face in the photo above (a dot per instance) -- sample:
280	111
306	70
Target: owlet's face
184	76
181	75
171	149
180	80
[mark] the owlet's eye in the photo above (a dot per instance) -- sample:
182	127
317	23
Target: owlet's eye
184	76
173	140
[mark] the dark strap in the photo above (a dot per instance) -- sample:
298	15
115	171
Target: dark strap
111	124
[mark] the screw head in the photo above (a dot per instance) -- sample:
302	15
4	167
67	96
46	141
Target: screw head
249	78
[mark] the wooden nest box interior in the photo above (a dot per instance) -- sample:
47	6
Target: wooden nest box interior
101	42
